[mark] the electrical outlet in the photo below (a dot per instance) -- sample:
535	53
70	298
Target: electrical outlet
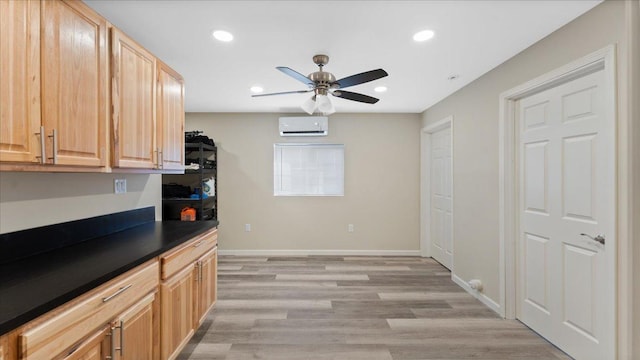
120	186
350	228
247	227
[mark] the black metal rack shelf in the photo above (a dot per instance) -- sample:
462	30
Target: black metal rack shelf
207	208
188	199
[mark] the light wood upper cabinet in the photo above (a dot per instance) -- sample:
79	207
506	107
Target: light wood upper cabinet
170	118
56	104
19	81
133	94
74	83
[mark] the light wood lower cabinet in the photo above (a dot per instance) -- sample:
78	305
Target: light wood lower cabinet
177	313
205	285
95	347
135	316
66	329
138	337
188	291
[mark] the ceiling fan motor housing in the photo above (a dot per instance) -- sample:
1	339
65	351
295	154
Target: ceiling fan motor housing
323	80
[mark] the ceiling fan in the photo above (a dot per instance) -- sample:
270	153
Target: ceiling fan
323	83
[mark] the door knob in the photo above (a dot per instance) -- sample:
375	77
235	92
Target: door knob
599	238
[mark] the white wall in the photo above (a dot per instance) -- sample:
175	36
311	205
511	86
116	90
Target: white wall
381	185
36	199
475	111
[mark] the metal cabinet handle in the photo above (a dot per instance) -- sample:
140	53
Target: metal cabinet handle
120	291
54	135
161	162
112	355
112	352
43	155
121	339
598	238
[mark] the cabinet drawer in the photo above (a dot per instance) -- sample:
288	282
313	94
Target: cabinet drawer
187	254
95	309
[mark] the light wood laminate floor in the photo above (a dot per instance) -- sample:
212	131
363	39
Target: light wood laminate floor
327	307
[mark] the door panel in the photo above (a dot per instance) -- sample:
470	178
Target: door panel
441	198
133	98
19	81
566	164
537	272
578	175
138	331
177	299
579	298
170	118
536	177
74	78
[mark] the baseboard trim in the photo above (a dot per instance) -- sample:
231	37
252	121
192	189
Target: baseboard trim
490	303
320	252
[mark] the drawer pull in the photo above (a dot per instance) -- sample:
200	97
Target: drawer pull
198	243
120	291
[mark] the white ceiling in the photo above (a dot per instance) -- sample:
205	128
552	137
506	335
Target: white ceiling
472	37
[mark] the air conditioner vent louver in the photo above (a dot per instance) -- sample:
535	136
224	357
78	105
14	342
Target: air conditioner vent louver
304	126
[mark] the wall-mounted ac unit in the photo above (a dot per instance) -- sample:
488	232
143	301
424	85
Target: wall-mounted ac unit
304	126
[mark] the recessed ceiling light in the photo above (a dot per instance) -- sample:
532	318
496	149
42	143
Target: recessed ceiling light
380	89
423	35
222	35
256	89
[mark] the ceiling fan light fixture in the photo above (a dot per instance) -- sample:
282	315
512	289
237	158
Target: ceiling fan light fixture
380	89
423	35
309	106
223	36
256	89
324	105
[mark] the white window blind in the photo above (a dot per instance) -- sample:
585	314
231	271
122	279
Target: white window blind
308	170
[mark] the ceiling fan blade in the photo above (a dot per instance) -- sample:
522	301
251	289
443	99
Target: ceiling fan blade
355	96
284	93
361	78
296	75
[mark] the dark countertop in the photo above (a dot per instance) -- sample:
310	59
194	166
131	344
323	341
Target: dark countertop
35	285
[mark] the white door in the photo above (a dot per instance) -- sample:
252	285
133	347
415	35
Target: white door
441	199
566	164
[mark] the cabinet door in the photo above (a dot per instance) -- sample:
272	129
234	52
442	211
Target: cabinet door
133	97
177	312
206	285
170	116
19	81
74	83
95	347
138	337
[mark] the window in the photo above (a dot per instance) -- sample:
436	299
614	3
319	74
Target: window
308	170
